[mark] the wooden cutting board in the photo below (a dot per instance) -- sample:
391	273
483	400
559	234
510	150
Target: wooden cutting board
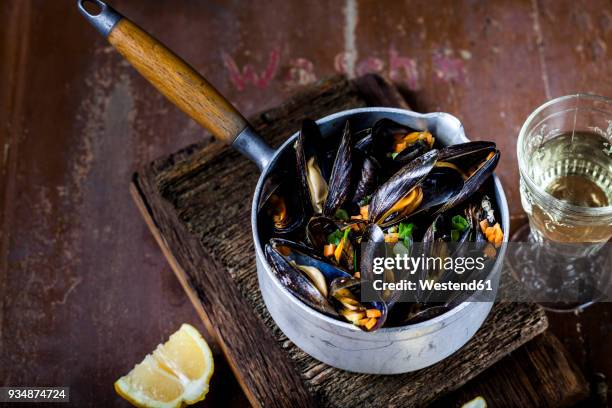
197	202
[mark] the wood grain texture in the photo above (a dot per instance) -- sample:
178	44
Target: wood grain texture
178	81
540	374
182	190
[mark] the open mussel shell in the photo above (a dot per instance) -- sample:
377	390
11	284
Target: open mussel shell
412	152
340	179
306	275
440	231
383	208
482	162
385	135
312	165
318	229
440	185
281	208
466	154
438	241
297	283
304	255
352	285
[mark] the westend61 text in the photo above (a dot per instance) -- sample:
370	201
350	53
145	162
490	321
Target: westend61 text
430	284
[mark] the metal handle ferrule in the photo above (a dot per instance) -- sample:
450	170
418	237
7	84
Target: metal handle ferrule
250	144
104	20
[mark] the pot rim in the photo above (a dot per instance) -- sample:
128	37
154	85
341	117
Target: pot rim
444	318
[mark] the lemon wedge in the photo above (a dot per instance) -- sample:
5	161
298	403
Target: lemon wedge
477	402
178	372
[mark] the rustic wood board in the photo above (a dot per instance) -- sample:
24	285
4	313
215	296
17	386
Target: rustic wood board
198	198
539	374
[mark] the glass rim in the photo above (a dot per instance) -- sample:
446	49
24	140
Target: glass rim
559	205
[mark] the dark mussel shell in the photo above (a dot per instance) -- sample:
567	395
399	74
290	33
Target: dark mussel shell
280	253
480	208
398	187
473	215
366	179
304	255
281	208
310	146
363	141
440	185
297	283
373	246
440	230
385	132
420	312
412	152
354	286
437	242
439	234
340	179
477	160
318	230
465	155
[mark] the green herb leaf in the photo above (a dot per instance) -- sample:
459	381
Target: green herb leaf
394	155
459	223
455	235
405	230
342	214
334	237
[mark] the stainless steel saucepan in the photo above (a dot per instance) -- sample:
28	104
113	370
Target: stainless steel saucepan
340	344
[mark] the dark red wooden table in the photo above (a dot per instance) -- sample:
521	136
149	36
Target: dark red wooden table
84	290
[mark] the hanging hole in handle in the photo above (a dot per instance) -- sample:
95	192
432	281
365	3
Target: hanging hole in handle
92	7
102	16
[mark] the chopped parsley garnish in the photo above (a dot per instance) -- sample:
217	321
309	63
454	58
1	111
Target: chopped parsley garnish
405	230
405	233
459	224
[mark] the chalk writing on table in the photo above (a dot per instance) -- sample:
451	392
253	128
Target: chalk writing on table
446	66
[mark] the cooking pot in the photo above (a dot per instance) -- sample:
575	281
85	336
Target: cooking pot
334	342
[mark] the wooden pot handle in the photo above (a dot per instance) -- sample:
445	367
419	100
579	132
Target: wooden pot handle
172	76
